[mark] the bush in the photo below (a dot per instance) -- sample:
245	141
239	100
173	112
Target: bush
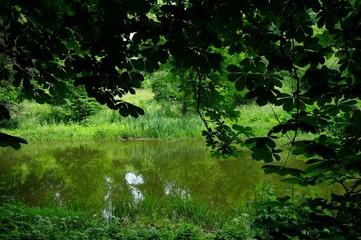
188	231
76	107
10	124
175	88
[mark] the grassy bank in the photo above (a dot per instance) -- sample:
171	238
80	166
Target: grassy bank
150	219
107	125
36	122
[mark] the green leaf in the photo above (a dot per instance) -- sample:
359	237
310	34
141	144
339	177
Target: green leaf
233	68
4	113
314	160
295	181
284	199
126	109
86	80
282	170
262	100
288	105
276	156
238	127
259	141
259	154
247	131
298	150
271	143
240	84
317	168
41	97
321	19
7	140
58	88
330	22
322	150
233	77
136	78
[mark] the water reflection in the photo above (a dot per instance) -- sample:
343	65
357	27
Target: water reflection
134	180
108	209
171	190
95	175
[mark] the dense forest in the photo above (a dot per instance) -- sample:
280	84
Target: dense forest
209	58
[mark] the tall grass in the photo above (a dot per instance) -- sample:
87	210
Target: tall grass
36	122
174	208
261	119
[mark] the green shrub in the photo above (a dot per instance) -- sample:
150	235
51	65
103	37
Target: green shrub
237	228
10	124
77	105
188	232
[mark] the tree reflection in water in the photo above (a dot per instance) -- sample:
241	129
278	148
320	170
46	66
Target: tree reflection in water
96	175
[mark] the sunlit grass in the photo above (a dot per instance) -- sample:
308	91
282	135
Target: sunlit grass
140	97
36	122
144	127
158	122
261	119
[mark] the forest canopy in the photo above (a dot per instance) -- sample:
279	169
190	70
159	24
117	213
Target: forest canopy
108	47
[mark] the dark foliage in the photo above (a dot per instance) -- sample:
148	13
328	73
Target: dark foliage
106	45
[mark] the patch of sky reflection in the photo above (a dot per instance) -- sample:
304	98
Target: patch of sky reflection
134	180
171	190
108	209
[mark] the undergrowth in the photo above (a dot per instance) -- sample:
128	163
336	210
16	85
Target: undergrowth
174	219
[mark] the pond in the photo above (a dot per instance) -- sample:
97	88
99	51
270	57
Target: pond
93	175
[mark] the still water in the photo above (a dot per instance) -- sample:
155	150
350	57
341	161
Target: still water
94	175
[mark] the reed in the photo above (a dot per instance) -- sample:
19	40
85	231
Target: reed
174	208
36	125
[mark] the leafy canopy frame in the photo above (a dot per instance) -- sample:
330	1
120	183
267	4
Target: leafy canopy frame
106	46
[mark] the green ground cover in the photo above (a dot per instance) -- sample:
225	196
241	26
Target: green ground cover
150	219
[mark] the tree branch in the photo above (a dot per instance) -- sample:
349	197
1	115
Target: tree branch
197	90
